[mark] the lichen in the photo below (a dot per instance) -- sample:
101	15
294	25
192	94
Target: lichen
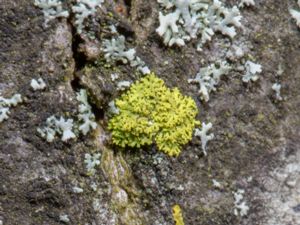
64	218
115	50
68	128
209	77
204	136
252	71
296	14
277	88
77	190
240	207
38	84
122	85
51	9
54	126
151	111
190	19
177	215
6	104
83	9
86	118
91	162
244	3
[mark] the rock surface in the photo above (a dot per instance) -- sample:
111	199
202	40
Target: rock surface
257	138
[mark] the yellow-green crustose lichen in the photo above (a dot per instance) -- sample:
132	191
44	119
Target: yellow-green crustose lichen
177	215
150	112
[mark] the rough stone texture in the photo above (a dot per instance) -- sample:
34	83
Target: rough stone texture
257	140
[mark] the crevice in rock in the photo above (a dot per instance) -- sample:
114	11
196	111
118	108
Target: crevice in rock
128	5
126	30
79	57
75	84
80	61
99	113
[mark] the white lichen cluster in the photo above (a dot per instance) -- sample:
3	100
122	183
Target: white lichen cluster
157	158
38	84
246	3
77	190
209	77
123	85
51	9
252	71
64	218
83	9
112	108
115	50
183	20
6	104
235	53
240	207
91	162
96	205
204	136
216	184
86	118
66	128
114	77
54	127
277	88
94	186
296	14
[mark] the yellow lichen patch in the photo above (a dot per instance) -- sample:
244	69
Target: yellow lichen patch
149	112
177	215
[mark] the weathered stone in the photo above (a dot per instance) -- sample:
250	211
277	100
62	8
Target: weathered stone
256	135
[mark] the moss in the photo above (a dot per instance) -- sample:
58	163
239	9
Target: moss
124	196
260	117
151	111
229	135
205	210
